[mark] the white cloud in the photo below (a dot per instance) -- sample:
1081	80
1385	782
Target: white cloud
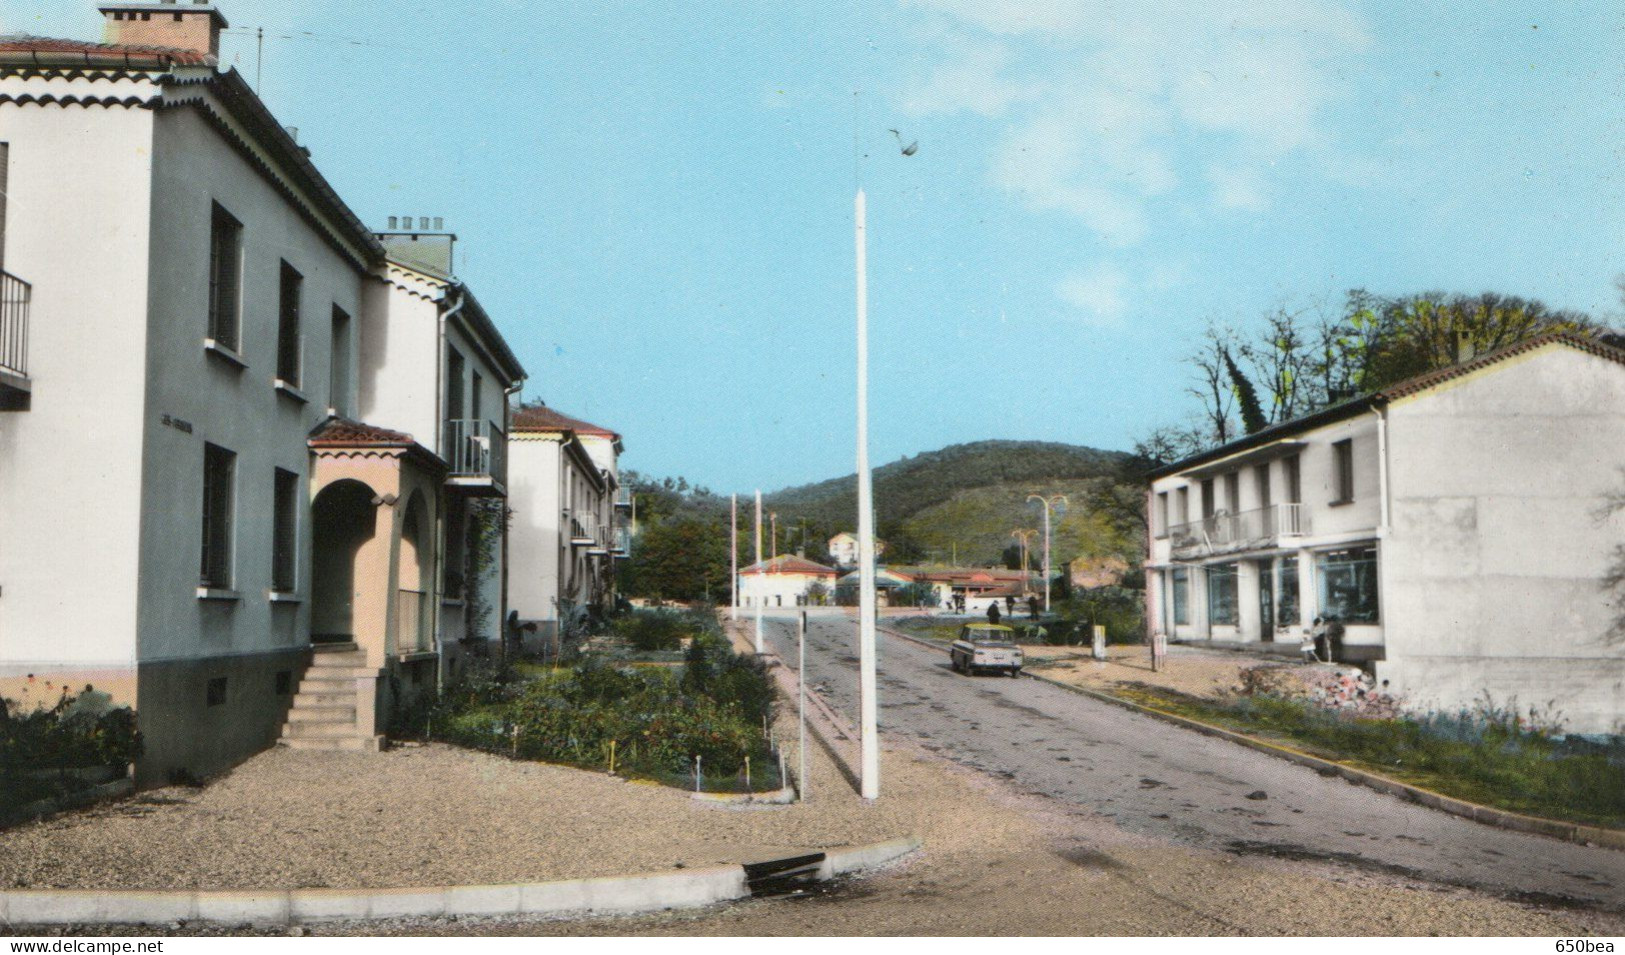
1101	292
1102	99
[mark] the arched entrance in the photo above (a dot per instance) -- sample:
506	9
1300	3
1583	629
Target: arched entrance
343	527
413	572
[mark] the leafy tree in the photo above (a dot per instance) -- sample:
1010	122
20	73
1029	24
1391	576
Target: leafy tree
1252	413
679	558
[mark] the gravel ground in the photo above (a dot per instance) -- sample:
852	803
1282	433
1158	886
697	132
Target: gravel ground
1203	673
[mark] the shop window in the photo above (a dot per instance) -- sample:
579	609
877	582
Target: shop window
1182	595
1347	581
1223	593
1286	592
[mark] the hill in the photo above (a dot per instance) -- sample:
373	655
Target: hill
967	497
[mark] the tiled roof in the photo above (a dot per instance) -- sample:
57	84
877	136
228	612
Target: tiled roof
1402	389
789	564
337	432
53	52
543	418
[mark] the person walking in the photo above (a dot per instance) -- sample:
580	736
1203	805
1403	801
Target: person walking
993	611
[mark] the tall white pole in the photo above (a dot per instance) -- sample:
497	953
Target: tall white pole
801	706
870	736
1046	557
761	574
733	557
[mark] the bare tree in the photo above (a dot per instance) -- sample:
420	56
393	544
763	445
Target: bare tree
1211	384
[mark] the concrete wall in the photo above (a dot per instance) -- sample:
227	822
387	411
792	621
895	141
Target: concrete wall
70	466
779	590
1500	539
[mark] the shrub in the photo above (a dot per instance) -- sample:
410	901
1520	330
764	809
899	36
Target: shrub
652	630
77	732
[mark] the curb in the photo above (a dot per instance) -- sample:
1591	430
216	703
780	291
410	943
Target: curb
776	797
613	895
1488	815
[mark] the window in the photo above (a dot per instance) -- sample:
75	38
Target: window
1232	492
1294	479
1347	582
285	532
287	336
454	385
1286	592
1207	497
1181	587
225	265
338	372
1162	514
474	397
1185	505
1222	595
1343	475
218	467
214	692
1261	477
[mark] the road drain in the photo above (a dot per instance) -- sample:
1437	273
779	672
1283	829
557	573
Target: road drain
778	878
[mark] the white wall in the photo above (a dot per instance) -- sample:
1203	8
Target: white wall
535	548
1501	537
70	467
776	590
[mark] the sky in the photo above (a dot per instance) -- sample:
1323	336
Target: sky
654	200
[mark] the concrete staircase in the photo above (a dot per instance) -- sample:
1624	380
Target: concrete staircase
328	709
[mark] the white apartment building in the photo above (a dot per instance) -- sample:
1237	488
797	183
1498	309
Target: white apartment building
568	523
1456	525
188	501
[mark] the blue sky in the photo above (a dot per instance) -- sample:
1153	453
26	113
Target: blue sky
655	198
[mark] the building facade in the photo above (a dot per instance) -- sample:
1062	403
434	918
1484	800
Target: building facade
1455	529
198	327
569	521
786	581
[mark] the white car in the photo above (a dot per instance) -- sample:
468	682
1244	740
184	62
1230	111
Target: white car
985	646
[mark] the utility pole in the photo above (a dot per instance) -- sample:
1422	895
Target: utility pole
761	574
1057	501
773	532
733	557
867	708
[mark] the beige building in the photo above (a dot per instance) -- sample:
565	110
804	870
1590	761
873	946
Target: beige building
785	581
241	408
568	526
1456	527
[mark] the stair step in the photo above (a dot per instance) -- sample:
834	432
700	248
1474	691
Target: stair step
305	730
321	672
323	685
324	698
322	714
358	744
324	648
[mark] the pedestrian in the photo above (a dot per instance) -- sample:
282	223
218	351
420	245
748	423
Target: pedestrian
1032	606
1009	605
993	611
1310	638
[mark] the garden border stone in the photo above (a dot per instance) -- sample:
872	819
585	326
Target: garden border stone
611	895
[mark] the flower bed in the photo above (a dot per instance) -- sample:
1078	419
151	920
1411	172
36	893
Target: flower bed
58	750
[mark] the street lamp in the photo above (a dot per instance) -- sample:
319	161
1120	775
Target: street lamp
1057	501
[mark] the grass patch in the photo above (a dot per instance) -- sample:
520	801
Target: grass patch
1488	756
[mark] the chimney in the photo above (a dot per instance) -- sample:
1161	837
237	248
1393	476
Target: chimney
193	26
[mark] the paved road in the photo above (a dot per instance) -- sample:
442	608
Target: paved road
1156	779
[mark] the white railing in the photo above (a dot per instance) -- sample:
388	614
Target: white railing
1240	530
14	300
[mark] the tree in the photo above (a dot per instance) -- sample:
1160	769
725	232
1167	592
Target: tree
681	558
1252	413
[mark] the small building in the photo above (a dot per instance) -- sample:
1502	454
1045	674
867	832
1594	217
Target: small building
786	581
887	583
1459	528
843	549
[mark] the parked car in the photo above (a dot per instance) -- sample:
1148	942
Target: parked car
985	646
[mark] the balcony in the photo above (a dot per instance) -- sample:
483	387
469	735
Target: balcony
623	499
623	542
476	453
1244	530
582	534
15	295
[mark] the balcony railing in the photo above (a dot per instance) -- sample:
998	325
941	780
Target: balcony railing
15	295
413	622
1242	530
476	449
623	498
623	541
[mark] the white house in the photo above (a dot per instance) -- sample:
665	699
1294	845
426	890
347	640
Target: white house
784	581
194	493
1456	525
843	549
568	524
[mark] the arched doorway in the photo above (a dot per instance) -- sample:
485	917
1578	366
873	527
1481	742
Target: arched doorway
343	523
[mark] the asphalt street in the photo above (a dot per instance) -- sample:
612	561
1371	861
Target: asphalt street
1156	779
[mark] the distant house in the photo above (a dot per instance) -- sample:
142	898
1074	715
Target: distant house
1459	527
843	549
887	583
972	583
784	581
1090	572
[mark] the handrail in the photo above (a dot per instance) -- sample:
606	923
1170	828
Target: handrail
15	298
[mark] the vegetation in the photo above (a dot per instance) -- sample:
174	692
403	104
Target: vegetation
642	721
1492	756
39	746
1292	363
